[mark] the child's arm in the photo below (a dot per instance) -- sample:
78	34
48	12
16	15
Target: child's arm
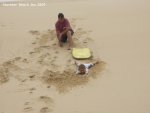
76	64
91	64
96	62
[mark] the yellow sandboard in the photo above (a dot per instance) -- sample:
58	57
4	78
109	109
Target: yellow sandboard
81	53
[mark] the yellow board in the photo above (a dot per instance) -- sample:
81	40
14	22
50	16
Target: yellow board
81	53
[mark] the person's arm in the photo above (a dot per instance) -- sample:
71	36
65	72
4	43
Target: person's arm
77	68
63	32
57	31
89	65
96	62
76	64
66	27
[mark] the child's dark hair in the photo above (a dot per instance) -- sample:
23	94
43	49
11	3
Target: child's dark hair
82	69
60	15
81	66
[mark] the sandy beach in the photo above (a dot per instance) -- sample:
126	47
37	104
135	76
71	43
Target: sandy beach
38	76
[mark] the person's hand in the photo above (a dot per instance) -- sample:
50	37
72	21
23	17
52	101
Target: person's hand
96	62
66	28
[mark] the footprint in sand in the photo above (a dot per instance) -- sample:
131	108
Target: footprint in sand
48	102
46	99
4	74
34	43
27	109
44	59
31	52
17	58
48	86
46	47
32	89
26	103
45	102
10	65
2	25
34	32
32	77
54	65
56	52
55	57
25	60
45	110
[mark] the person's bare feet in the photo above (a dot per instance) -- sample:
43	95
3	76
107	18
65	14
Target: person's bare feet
60	44
69	48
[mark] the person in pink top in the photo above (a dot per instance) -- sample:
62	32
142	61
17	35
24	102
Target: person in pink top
64	31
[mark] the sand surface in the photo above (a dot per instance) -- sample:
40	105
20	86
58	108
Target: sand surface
37	76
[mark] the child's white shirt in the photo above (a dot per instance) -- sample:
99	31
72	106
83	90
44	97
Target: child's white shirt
87	66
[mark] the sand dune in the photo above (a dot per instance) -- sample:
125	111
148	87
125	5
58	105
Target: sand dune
37	76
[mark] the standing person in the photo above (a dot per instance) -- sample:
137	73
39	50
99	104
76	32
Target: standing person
64	31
